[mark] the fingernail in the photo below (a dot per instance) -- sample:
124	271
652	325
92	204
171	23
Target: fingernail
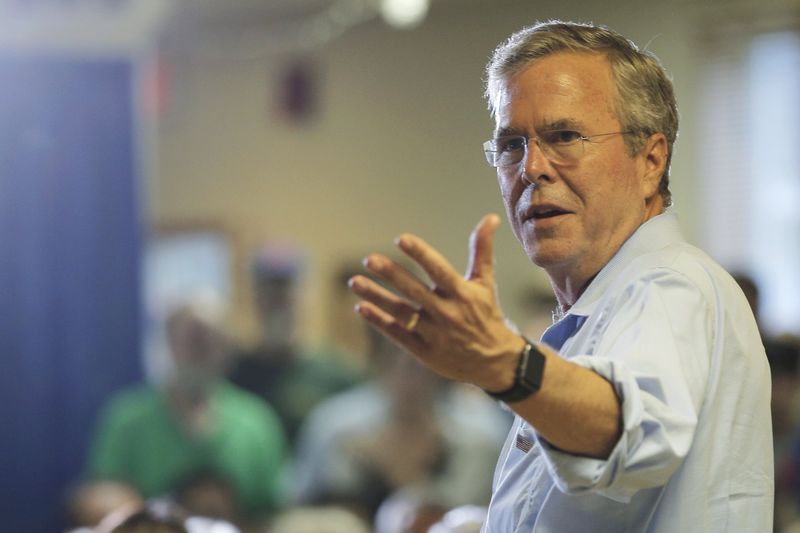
374	262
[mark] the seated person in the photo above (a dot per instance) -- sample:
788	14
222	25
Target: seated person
405	427
278	369
327	519
155	437
207	493
90	502
161	517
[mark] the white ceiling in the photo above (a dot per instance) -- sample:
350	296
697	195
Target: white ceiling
256	25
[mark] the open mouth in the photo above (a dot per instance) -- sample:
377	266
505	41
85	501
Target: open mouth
547	213
542	212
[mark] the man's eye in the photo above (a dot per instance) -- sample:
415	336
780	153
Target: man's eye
561	137
511	144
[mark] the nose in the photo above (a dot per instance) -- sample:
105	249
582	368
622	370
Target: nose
535	167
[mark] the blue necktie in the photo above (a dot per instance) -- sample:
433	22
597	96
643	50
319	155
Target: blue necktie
556	335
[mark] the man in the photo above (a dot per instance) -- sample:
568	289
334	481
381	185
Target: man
403	428
194	428
646	406
290	379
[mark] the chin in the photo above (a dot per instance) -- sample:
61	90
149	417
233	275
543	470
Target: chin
548	256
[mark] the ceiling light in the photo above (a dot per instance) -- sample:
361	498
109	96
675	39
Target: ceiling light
404	14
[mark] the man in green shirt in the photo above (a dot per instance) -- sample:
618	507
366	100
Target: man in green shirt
156	438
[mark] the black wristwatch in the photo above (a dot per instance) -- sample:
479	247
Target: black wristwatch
527	377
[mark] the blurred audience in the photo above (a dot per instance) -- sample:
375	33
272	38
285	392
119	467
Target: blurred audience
144	519
538	306
345	328
161	517
91	501
465	519
405	428
278	370
408	511
324	519
219	448
209	494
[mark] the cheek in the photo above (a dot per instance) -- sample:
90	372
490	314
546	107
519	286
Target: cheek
510	191
612	208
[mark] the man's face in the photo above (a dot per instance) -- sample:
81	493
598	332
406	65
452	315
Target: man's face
276	299
197	347
571	218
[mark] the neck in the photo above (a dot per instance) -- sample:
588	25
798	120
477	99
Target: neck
570	281
568	289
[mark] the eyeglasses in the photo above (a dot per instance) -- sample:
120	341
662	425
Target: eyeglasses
560	147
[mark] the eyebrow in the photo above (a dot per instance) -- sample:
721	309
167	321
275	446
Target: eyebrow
504	132
550	125
561	124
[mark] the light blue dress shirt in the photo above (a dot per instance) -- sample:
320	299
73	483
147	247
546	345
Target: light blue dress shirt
672	332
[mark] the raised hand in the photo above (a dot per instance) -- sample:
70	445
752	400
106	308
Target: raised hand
456	326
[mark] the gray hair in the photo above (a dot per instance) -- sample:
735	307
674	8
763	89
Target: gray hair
645	100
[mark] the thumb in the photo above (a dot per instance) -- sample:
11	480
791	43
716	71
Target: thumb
481	248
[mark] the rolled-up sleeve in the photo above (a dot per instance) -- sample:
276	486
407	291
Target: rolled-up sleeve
655	350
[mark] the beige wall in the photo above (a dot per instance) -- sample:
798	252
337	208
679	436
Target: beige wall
395	145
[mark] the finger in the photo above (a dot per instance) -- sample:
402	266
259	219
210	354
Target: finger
383	298
402	311
391	327
481	248
401	279
437	267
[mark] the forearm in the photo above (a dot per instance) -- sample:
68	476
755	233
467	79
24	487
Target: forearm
576	410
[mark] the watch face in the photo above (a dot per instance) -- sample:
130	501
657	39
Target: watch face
531	367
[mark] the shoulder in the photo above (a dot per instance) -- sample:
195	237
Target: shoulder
326	366
130	412
353	411
234	399
658	256
134	403
679	268
359	403
244	409
677	292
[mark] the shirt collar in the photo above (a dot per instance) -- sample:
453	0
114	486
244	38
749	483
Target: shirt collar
658	232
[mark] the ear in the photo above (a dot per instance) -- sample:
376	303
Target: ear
654	156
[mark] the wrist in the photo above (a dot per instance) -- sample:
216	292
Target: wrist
528	375
502	372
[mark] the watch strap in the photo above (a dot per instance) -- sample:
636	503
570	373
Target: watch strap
527	376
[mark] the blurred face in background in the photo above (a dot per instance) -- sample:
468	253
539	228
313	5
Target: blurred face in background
276	302
198	348
412	387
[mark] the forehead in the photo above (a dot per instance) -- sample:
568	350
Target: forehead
569	88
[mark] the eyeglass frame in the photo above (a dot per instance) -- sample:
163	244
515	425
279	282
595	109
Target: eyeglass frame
544	146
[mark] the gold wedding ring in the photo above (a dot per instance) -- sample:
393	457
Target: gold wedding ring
412	322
